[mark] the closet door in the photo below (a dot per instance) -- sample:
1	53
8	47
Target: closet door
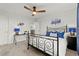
3	30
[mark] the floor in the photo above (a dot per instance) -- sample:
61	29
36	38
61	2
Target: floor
21	50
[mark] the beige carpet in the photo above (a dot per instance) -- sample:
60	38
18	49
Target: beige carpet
71	53
21	50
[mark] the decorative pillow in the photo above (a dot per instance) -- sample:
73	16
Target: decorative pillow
61	34
54	34
48	34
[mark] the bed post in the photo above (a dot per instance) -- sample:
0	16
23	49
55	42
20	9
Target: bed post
47	29
28	40
66	27
57	45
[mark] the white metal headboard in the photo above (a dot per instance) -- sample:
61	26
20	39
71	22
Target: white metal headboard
59	29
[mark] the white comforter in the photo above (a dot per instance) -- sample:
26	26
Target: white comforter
49	44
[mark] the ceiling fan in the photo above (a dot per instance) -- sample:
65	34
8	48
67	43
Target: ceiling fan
34	11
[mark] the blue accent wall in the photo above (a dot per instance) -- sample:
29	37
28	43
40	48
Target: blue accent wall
78	28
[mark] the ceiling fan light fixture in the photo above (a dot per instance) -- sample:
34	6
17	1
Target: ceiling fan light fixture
34	12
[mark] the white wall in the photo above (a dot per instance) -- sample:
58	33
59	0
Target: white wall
7	24
13	21
67	17
3	29
35	25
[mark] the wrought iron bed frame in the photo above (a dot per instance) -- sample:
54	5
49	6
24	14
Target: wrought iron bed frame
39	36
44	43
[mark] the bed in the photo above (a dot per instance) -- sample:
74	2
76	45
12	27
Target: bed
51	45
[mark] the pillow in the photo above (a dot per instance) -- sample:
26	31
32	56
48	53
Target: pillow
61	34
48	34
53	34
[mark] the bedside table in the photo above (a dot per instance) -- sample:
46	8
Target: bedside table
72	42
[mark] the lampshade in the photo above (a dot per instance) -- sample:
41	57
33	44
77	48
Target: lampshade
17	29
72	29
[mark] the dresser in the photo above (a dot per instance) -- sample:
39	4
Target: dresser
72	42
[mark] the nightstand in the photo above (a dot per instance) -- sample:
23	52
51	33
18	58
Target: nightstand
72	42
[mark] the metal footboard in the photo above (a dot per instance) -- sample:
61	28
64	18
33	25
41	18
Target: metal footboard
46	45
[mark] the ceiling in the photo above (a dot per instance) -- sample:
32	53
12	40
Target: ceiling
18	8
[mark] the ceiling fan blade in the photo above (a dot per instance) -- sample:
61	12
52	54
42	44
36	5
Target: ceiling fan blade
27	8
41	11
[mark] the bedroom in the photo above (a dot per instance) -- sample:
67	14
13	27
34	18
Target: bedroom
56	16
